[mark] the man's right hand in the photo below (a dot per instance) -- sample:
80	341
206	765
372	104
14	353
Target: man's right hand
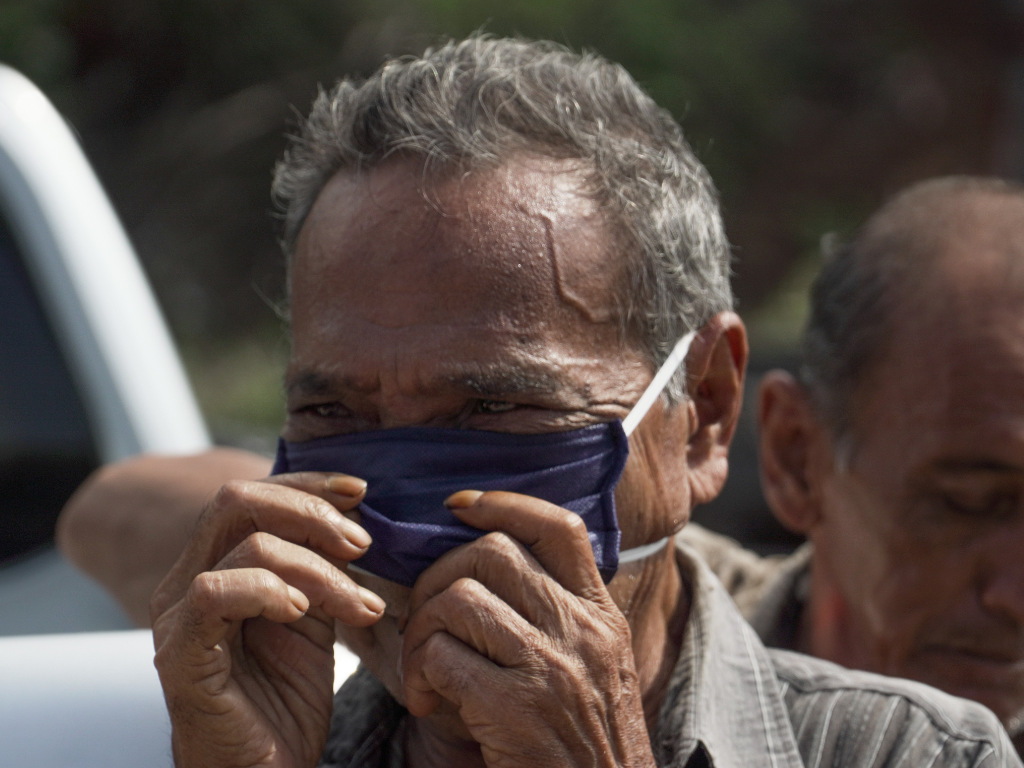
244	622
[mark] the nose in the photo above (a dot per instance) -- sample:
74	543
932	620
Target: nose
1002	587
396	408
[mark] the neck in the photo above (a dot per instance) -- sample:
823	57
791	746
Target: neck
651	595
825	629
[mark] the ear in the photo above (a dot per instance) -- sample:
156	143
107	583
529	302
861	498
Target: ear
715	368
792	442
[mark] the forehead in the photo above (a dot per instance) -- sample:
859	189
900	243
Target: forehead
523	227
389	264
950	377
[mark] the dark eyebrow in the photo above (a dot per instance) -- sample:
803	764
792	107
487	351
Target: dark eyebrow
492	381
496	381
310	383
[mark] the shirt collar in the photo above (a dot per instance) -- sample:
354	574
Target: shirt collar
776	617
724	695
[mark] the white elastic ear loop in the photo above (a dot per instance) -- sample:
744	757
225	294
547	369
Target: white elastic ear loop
643	405
658	383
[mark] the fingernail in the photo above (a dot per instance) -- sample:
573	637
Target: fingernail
371	600
346	485
462	499
355	534
298	599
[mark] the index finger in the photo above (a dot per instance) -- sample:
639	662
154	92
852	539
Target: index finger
299	508
556	537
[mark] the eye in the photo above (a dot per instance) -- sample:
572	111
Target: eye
996	505
494	406
328	410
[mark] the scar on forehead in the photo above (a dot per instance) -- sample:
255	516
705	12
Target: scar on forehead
587	284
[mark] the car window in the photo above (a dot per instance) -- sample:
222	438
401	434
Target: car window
46	445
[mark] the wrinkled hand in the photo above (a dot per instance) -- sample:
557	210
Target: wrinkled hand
243	623
519	633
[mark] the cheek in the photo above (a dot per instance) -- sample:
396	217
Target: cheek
878	571
652	497
899	591
907	589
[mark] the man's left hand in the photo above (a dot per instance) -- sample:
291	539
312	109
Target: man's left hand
519	633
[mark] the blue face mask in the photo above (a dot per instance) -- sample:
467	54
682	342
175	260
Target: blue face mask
410	472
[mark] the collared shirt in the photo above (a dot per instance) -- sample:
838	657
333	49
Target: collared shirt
776	614
732	702
771	592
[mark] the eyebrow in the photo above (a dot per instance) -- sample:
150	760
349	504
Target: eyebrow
491	381
311	383
496	379
993	466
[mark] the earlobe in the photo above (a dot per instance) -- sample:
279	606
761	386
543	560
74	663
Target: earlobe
789	437
715	368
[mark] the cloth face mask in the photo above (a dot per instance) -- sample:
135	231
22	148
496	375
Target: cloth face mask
409	473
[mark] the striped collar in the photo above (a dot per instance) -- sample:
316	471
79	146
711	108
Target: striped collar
724	695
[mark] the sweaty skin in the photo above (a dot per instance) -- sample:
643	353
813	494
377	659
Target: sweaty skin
443	307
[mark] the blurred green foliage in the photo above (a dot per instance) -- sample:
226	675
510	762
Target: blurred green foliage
807	113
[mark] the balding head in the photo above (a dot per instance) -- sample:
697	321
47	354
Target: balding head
937	243
904	466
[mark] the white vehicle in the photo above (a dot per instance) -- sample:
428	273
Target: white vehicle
88	374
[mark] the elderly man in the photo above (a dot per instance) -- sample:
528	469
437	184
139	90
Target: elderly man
899	453
499	256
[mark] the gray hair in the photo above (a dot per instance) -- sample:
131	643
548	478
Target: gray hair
474	103
863	283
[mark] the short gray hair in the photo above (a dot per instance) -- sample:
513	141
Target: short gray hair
477	102
862	283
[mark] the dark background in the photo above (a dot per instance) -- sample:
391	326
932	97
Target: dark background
808	113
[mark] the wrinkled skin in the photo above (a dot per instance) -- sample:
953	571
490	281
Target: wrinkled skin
917	517
484	305
261	550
